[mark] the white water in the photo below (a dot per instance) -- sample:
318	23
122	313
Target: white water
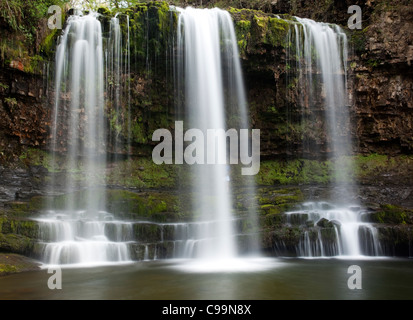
348	226
79	105
321	49
210	65
75	237
117	65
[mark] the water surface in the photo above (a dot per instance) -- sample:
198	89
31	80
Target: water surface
274	279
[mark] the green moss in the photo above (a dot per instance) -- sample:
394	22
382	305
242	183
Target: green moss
6	268
35	65
142	173
297	171
255	28
114	123
13	263
374	164
139	134
15	243
243	34
363	168
104	11
393	214
278	201
373	63
269	30
37	157
23	227
274	219
277	32
126	204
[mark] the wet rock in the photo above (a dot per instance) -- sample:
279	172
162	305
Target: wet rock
396	240
297	218
14	263
324	223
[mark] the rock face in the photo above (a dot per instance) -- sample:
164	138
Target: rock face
383	86
380	80
24	114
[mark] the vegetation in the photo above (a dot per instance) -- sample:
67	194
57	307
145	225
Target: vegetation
24	16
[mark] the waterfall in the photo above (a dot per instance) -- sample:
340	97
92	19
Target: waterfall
78	119
79	136
70	238
321	73
118	89
213	86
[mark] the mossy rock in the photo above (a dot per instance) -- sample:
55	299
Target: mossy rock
290	236
298	171
274	220
298	219
27	228
324	223
147	232
395	240
15	243
14	263
392	214
278	201
25	209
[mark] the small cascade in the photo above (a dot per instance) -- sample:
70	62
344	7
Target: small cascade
76	238
369	241
330	230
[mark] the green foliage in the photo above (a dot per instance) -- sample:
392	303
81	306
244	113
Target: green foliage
49	43
373	63
255	28
11	102
37	157
23	16
6	268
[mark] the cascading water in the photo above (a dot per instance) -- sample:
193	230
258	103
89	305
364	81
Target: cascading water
209	64
72	236
321	55
117	58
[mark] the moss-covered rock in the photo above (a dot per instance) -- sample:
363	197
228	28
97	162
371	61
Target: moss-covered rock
395	240
392	214
13	263
15	243
256	29
274	172
23	227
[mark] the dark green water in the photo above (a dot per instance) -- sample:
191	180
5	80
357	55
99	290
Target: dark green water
170	280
